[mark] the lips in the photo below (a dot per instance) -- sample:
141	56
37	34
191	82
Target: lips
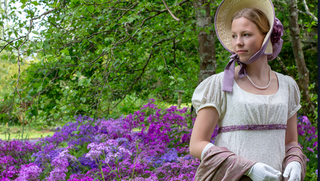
242	51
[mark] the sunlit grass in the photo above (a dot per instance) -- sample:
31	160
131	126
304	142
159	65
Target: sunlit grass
16	132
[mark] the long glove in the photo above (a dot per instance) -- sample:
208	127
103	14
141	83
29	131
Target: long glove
205	149
293	169
263	172
294	153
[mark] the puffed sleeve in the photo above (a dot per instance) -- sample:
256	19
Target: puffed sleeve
209	94
294	97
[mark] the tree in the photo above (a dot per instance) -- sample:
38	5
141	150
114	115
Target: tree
303	80
115	48
93	53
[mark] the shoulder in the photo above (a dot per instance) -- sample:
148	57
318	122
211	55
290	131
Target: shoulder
286	78
289	82
215	78
211	83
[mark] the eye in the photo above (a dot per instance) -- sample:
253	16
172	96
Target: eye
246	34
234	36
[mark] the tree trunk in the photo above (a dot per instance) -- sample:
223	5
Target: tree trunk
303	72
206	39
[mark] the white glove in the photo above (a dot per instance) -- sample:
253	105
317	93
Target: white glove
205	149
293	169
263	172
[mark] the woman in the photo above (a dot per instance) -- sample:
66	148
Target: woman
255	107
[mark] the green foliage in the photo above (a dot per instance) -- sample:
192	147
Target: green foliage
89	66
92	55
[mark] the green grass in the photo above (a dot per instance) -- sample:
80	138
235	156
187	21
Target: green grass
28	132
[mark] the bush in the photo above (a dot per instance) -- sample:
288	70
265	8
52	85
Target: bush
89	149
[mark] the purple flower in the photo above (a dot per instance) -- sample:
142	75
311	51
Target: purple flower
310	149
87	162
315	144
60	164
277	31
305	120
80	177
188	157
29	172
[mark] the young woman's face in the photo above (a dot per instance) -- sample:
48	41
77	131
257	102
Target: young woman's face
246	38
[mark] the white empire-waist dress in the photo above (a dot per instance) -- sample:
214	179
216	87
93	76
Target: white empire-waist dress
243	108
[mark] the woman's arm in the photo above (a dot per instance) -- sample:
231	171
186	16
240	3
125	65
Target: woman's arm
203	128
292	132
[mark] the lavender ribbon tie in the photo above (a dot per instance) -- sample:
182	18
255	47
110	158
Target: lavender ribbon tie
229	72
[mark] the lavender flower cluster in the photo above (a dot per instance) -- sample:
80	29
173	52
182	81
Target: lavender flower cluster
89	149
308	132
15	157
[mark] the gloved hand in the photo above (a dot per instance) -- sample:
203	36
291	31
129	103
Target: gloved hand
293	169
263	172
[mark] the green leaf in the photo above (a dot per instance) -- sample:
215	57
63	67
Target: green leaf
56	115
75	132
63	108
131	19
39	88
83	99
34	3
65	92
203	11
23	1
90	8
65	51
39	44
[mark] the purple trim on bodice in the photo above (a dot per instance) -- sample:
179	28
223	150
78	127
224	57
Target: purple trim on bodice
251	127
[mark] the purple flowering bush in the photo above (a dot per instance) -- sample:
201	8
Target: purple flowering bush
15	159
308	140
101	149
89	149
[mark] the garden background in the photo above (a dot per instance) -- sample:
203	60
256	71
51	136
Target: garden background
105	79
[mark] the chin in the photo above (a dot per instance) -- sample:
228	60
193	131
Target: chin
243	59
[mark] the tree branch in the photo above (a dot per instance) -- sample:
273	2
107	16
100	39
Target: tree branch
182	2
150	18
143	70
284	67
308	11
165	64
177	19
3	47
130	8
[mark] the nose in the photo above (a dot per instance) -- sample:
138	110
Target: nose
239	41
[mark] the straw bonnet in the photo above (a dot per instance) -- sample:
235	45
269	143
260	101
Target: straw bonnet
226	11
271	45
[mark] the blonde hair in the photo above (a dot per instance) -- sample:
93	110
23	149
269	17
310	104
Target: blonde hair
256	16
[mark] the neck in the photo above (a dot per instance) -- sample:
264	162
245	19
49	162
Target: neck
259	69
